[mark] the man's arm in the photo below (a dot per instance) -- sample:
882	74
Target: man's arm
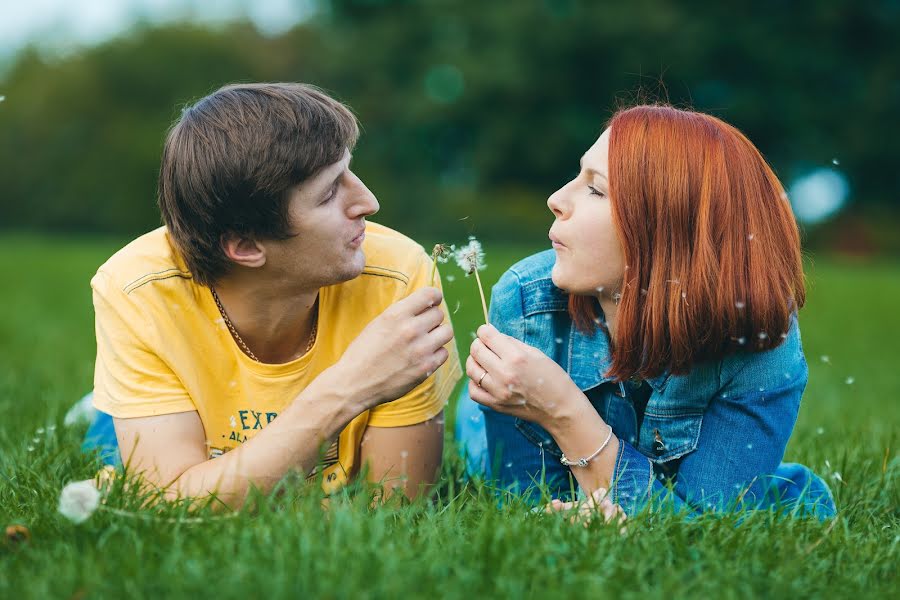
408	458
170	451
393	355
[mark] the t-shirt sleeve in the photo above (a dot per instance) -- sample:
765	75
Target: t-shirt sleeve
130	378
429	397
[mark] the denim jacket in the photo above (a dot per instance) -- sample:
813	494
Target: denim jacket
710	437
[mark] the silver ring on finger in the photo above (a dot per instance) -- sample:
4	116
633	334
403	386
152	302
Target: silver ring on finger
480	379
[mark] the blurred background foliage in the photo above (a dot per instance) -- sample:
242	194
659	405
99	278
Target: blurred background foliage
473	112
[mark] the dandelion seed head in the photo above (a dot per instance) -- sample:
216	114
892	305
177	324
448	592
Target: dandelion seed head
470	258
79	500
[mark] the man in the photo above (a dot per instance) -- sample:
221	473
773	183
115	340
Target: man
267	327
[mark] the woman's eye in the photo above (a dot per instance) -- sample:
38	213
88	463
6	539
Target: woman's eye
595	191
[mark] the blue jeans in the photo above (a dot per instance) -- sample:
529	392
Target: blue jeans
101	436
495	449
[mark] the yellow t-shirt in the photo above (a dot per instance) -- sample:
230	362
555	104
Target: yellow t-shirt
163	347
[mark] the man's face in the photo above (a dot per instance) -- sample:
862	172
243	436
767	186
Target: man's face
327	215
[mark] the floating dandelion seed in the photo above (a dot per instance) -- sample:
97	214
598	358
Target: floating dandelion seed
739	305
849	380
450	278
40	430
79	500
2	98
456	308
762	335
558	340
741	340
470	259
600	290
750	237
835	162
825	358
820	430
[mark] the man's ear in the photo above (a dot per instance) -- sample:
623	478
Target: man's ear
245	252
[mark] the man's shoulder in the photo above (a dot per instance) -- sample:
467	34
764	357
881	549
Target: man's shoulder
392	255
147	258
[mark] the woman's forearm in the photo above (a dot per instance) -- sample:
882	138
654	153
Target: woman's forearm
579	431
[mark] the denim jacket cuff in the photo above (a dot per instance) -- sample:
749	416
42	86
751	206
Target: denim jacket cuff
632	479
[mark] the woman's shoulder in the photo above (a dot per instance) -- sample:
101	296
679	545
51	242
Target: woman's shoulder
778	368
528	286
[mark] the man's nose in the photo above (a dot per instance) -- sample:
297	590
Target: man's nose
364	201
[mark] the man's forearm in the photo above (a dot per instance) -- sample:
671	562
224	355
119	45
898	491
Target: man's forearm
291	442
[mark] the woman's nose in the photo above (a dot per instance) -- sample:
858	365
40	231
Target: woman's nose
556	203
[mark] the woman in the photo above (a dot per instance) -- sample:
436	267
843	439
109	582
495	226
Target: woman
654	352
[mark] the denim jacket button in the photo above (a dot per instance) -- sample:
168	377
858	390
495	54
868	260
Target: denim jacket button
659	446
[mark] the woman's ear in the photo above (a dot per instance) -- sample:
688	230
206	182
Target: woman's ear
243	251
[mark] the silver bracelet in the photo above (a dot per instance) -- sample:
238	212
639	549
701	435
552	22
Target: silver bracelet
583	462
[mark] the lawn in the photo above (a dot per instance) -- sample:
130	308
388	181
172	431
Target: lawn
463	545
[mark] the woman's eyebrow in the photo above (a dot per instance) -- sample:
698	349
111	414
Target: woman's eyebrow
590	170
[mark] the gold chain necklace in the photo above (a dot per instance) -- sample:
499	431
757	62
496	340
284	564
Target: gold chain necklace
240	340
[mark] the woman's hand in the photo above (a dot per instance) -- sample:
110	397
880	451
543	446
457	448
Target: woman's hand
584	511
512	377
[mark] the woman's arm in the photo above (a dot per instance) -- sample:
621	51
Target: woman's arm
742	438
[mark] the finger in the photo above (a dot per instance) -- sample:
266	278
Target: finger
474	371
500	343
439	336
485	357
482	396
428	319
419	301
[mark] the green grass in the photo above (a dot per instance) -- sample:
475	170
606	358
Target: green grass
463	544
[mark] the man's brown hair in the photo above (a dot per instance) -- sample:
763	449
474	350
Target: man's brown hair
231	159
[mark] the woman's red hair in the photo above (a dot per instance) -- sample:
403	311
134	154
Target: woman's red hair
710	243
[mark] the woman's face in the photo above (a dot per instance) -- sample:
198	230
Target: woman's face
589	256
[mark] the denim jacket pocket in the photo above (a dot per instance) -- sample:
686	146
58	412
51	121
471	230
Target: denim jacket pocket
538	436
671	436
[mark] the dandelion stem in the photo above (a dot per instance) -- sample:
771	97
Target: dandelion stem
433	269
481	291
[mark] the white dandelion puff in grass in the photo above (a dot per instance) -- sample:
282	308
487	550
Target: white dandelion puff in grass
79	500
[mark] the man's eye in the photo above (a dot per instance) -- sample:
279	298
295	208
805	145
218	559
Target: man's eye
595	191
331	194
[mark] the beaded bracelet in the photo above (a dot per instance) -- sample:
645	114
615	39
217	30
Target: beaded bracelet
583	462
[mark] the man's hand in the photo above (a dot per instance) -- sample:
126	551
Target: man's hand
398	350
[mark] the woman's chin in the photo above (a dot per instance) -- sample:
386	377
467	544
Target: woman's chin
558	278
